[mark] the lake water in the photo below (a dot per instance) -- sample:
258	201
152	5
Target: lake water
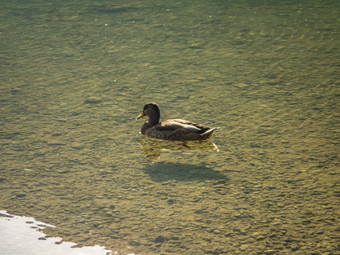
75	74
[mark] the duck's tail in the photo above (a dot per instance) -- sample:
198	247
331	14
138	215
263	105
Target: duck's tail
208	133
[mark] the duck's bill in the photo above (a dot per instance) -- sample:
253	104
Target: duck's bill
140	116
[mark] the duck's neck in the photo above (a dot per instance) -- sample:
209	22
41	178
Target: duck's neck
153	120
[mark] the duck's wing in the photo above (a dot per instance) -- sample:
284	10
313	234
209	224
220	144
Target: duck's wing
176	124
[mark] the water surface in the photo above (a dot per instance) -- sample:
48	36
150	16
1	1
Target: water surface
74	75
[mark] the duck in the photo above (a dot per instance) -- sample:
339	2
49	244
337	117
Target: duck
171	129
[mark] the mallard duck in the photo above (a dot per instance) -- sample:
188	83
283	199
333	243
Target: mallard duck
172	129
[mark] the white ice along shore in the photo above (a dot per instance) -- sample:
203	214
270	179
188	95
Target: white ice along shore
21	235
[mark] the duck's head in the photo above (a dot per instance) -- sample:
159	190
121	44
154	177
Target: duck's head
150	110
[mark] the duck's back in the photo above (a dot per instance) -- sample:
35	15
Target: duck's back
177	129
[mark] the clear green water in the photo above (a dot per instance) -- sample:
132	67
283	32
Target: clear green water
75	74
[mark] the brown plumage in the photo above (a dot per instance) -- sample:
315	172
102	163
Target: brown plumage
172	129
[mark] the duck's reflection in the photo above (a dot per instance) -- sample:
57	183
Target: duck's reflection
153	148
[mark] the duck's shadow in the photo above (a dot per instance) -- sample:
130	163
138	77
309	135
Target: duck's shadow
164	171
